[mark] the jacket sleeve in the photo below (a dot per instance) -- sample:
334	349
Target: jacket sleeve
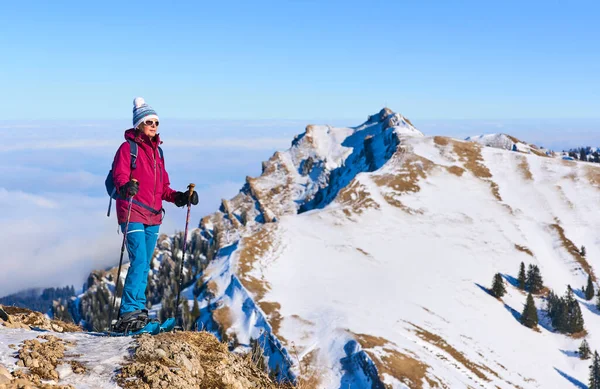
168	193
122	166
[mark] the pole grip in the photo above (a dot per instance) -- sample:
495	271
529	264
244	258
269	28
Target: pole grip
190	191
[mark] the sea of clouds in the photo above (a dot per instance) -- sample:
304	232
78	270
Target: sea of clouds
53	224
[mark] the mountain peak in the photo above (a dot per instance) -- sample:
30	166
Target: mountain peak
308	175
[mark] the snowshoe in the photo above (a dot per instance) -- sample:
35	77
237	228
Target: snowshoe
168	325
132	322
152	328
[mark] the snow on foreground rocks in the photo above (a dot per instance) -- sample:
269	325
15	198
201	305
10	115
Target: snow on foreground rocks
67	360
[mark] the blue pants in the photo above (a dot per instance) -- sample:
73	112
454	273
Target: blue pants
141	240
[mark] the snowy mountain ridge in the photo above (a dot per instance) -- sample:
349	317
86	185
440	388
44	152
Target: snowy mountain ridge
435	197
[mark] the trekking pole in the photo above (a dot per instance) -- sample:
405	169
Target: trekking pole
130	201
187	222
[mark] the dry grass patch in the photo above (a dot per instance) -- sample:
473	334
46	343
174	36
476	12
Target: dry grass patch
392	200
524	168
564	197
524	249
255	247
539	153
459	357
356	198
495	190
592	173
470	154
441	140
456	170
513	139
302	320
223	317
579	335
362	252
370	341
212	287
572	249
403	367
407	175
271	309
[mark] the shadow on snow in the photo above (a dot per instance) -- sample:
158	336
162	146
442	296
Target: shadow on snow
572	380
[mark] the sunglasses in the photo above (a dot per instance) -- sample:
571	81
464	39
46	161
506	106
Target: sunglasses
152	122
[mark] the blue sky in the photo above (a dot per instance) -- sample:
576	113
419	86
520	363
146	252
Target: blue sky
300	59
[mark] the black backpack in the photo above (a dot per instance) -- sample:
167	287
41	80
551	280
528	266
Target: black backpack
110	184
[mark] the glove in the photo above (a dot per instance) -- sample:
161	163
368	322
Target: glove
129	189
181	198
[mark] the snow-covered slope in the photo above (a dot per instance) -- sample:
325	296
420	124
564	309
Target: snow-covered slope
382	275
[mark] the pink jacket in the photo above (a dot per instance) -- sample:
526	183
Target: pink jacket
151	175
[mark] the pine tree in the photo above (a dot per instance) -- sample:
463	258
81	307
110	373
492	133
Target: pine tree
589	290
582	156
534	282
552	302
574	317
594	382
529	317
584	350
498	289
522	278
583	252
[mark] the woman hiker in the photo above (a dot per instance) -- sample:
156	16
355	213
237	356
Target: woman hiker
147	183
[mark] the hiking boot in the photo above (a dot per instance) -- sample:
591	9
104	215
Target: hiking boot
131	321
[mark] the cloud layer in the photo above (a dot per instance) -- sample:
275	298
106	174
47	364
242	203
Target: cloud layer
53	203
53	222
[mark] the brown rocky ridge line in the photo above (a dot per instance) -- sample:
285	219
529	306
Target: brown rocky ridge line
185	360
15	317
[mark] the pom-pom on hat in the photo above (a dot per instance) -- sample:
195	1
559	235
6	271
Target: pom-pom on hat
142	111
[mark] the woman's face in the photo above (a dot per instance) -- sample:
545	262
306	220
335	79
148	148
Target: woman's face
149	127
